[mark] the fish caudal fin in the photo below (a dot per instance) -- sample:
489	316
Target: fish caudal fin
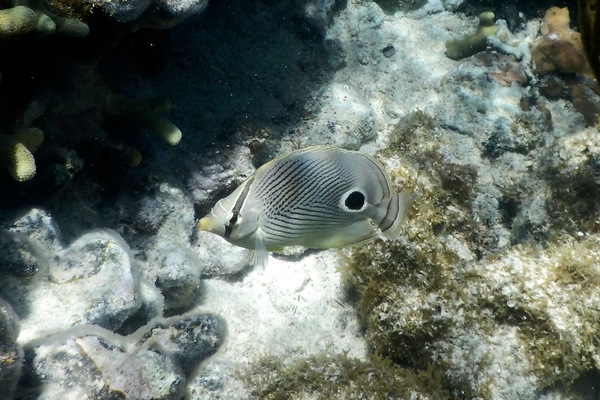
396	212
261	255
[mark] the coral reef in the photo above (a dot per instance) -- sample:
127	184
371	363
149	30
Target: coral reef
452	274
98	262
416	298
491	293
583	93
391	6
559	48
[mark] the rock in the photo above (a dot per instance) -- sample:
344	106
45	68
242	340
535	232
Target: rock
91	281
91	366
219	257
151	13
318	13
186	340
11	354
178	277
18	255
152	363
346	118
38	226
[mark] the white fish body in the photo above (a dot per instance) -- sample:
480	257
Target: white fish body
318	197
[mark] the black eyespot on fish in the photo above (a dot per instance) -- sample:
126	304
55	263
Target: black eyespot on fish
355	201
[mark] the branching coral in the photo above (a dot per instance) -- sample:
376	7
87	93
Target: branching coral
457	49
16	152
147	114
488	34
84	120
32	15
17	20
106	115
559	48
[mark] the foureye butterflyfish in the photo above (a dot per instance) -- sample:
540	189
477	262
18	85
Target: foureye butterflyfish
318	197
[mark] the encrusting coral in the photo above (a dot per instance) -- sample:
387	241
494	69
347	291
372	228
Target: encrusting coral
16	152
559	48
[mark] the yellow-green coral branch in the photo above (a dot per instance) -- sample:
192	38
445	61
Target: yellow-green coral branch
17	21
19	161
457	49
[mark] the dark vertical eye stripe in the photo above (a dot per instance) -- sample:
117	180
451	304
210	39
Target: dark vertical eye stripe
239	203
229	227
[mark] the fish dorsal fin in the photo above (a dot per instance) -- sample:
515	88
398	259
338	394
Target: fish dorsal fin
261	255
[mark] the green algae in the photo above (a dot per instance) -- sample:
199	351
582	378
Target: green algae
338	376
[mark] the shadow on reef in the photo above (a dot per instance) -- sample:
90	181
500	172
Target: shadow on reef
101	101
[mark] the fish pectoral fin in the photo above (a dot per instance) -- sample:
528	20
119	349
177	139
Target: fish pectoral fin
261	255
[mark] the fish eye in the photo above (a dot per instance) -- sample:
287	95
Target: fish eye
355	201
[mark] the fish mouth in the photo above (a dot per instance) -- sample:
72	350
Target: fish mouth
207	223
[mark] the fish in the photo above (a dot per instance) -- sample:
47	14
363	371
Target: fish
318	197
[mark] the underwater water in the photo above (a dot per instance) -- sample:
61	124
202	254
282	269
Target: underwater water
123	123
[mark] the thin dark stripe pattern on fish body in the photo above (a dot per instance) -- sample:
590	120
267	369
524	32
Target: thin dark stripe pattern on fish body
319	197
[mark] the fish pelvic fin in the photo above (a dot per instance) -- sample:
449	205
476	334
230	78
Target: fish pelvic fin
261	255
